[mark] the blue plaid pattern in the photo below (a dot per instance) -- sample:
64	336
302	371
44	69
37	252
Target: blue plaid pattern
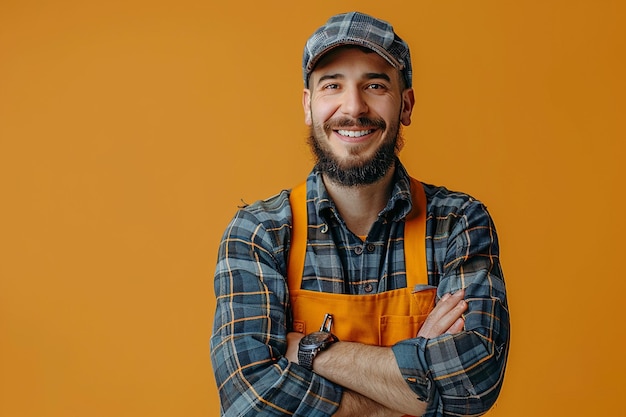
459	374
356	28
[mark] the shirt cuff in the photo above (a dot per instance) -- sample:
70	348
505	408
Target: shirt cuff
411	358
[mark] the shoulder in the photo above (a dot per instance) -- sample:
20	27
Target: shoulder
448	207
443	200
267	220
275	208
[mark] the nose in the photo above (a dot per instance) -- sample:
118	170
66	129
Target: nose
354	103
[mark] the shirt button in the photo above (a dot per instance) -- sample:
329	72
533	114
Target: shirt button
368	288
371	247
358	250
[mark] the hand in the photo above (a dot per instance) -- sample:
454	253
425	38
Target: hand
293	342
446	317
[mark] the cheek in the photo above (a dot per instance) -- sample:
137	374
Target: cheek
391	113
322	111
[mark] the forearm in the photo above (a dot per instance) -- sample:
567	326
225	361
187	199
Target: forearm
356	405
371	371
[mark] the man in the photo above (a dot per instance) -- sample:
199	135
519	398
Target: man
326	293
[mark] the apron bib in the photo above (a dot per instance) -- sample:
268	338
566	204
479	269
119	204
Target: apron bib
380	319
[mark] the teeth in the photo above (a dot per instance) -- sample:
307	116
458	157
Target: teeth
353	133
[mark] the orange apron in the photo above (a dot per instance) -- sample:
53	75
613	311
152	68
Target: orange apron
380	319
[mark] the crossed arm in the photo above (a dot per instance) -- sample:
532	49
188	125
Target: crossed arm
371	374
459	372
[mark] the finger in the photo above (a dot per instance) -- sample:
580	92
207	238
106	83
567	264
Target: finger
457	295
447	303
444	315
454	313
445	297
452	295
457	326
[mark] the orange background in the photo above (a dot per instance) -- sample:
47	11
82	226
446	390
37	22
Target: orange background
130	131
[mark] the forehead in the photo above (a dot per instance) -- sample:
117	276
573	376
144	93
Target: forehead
351	60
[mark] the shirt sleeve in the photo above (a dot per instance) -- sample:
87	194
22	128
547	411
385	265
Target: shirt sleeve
250	326
462	374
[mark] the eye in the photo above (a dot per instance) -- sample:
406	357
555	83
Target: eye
330	86
376	86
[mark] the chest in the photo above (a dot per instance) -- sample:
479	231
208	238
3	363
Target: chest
338	261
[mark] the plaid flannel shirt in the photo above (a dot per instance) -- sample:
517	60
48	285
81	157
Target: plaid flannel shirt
458	374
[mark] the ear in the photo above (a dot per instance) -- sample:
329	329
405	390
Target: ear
306	104
408	101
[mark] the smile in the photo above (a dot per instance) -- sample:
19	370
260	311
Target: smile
354	133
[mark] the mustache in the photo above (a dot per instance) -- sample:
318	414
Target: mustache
364	122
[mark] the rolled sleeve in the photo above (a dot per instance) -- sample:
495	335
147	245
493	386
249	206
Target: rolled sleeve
411	359
461	374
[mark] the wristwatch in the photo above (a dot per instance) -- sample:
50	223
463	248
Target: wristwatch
313	343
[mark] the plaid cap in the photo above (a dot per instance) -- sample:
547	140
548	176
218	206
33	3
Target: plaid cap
356	28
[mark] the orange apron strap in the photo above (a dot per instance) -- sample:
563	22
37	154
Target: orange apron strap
415	238
299	234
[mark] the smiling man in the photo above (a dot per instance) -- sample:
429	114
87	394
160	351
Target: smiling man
354	107
362	291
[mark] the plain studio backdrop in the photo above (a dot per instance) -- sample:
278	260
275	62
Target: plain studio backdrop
131	130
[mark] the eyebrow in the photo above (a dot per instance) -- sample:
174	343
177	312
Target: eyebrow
330	77
376	75
368	76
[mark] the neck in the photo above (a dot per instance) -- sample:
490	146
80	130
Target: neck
359	205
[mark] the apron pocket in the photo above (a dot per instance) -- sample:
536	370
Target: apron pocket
396	328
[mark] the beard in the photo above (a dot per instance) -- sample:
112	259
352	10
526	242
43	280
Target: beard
356	170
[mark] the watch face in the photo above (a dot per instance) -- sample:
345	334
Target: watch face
315	339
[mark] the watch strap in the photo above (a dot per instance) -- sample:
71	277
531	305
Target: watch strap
305	358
